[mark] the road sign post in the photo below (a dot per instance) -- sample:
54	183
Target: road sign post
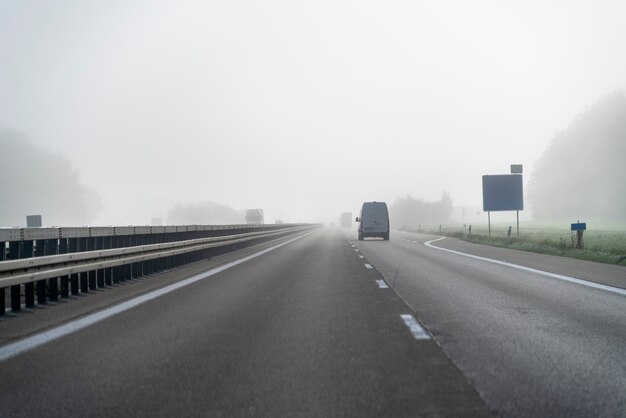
579	228
503	192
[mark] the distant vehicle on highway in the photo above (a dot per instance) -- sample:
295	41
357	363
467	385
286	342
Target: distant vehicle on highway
374	221
254	216
345	220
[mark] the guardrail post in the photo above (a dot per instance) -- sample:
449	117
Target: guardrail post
73	247
3	255
138	268
91	246
147	265
84	285
152	264
16	301
158	263
133	266
116	272
128	267
99	245
51	247
65	288
107	244
141	266
41	284
164	263
25	250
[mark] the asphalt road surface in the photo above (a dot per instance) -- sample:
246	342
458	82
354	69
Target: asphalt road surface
532	345
307	329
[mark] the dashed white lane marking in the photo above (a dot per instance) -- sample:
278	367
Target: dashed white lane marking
360	256
368	266
381	284
416	330
356	249
37	340
615	290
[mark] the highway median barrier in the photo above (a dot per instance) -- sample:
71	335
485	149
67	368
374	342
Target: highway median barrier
42	265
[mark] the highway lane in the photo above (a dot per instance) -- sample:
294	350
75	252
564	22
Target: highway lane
304	330
531	345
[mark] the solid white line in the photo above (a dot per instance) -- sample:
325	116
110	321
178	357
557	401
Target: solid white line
418	332
382	284
37	340
615	290
369	266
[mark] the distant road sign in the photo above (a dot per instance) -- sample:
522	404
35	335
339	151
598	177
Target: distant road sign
33	221
503	192
580	226
517	169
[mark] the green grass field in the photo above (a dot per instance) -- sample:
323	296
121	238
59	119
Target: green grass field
603	242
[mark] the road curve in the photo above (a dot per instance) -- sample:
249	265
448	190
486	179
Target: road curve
533	346
304	330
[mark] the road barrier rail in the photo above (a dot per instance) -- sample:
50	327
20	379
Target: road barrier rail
53	263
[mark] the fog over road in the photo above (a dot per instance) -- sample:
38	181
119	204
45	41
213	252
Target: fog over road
311	328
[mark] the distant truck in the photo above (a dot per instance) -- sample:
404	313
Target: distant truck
345	220
374	221
254	216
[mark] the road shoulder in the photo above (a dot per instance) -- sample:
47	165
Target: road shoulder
586	270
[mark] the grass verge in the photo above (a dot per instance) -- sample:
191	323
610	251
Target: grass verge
603	242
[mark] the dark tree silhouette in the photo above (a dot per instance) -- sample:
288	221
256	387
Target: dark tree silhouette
582	173
37	181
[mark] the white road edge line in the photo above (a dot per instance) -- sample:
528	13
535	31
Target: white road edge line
26	344
615	290
381	284
368	266
417	331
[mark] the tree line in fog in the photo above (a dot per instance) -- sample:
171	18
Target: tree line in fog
410	212
582	173
35	181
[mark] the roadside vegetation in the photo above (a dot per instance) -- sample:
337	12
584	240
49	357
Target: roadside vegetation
602	242
581	175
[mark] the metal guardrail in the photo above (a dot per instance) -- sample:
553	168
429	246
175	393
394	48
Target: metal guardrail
85	259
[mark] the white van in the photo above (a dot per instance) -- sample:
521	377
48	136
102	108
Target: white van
374	220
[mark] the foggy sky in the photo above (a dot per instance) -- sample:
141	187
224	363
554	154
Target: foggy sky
304	109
